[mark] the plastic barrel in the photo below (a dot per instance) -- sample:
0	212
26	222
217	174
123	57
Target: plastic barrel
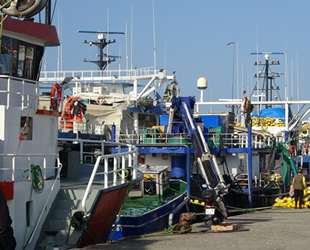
178	166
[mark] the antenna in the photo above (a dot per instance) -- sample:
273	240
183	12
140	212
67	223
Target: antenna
237	71
59	48
292	79
126	46
131	45
108	29
165	56
297	80
154	35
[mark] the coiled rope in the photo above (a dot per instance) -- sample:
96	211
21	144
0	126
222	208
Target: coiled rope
37	178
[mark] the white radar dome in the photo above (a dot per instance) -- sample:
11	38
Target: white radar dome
202	83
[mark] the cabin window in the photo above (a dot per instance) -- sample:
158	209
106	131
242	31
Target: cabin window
29	62
5	65
26	128
20	59
14	57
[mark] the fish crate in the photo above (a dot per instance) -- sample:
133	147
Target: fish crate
224	227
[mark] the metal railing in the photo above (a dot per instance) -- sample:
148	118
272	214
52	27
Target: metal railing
124	158
43	210
229	140
23	93
28	160
80	75
16	86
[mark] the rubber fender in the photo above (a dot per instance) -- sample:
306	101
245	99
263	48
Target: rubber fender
26	8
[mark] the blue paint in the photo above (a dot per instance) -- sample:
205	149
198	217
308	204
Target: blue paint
178	166
188	186
113	132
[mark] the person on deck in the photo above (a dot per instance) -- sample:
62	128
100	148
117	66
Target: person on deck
7	239
299	184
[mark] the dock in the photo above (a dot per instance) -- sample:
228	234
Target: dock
269	229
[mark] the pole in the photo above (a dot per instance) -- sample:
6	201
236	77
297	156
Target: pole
233	79
250	181
266	79
48	12
113	133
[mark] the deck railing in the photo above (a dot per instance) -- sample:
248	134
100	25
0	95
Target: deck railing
88	75
124	158
227	140
28	160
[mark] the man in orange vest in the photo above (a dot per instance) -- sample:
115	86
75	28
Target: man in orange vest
299	184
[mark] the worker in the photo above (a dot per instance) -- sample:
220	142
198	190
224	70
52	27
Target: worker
299	184
7	240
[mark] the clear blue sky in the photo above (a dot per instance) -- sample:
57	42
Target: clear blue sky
195	34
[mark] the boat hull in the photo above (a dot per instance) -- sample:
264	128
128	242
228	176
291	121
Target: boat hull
149	222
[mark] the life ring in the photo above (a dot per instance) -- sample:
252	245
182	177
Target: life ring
100	100
54	104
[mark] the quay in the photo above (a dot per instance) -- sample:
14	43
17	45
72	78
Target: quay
269	229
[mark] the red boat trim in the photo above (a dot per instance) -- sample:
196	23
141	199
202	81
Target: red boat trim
48	112
7	189
36	33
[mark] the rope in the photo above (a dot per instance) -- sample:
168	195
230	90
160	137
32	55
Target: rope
37	186
258	195
37	178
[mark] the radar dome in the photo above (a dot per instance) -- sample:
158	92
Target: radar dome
202	83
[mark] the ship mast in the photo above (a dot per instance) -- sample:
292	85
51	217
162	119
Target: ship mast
101	43
268	76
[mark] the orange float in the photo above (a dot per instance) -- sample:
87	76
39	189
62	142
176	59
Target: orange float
56	88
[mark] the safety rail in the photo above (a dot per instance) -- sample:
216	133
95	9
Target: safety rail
124	163
83	127
32	160
43	210
228	140
151	138
81	75
28	90
16	86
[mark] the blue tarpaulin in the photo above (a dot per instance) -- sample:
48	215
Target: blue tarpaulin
271	112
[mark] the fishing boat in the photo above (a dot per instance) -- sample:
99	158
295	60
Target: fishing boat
150	204
107	109
258	144
128	98
54	201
